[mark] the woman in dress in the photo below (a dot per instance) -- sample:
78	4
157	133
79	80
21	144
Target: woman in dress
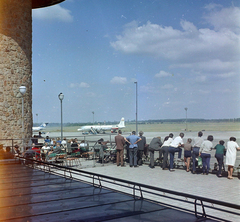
231	155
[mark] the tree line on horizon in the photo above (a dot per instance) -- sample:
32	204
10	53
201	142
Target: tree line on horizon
158	121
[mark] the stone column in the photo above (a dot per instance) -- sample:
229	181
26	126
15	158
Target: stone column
15	68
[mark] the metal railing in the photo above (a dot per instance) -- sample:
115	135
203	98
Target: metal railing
142	191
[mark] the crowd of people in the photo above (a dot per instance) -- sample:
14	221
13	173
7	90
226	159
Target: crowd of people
41	149
194	149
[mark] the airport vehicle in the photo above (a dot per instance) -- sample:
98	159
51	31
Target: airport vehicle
39	128
95	129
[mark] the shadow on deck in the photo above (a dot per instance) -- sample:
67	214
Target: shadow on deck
28	194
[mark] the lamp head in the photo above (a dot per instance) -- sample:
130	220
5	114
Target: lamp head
61	96
22	90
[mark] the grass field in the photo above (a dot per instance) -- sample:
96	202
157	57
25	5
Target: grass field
167	127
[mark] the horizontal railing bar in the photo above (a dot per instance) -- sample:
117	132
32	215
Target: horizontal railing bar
222	203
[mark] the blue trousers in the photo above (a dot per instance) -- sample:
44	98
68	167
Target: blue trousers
195	154
206	162
172	151
219	158
133	156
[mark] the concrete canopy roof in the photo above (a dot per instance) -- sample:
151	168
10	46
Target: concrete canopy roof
44	3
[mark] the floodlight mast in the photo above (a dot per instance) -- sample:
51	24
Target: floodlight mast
61	96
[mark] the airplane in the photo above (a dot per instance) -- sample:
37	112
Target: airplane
102	128
39	128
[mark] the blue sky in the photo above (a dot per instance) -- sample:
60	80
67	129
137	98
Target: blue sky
181	53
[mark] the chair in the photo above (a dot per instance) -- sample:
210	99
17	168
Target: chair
61	159
51	158
73	159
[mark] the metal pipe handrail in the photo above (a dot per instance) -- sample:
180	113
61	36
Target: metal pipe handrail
105	178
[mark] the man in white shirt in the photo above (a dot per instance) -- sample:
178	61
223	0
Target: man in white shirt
174	147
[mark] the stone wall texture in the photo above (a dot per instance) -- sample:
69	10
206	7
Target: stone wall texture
15	68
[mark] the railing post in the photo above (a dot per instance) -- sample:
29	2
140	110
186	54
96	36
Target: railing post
195	209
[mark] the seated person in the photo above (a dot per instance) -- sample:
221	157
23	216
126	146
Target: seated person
57	150
47	140
37	151
29	154
46	148
83	146
35	139
44	151
54	144
1	151
8	154
17	151
74	145
58	140
64	143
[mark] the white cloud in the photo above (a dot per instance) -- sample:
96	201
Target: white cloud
52	13
118	80
179	46
201	79
91	94
72	85
148	89
212	6
167	86
84	85
226	75
163	74
226	18
201	50
204	91
166	103
79	85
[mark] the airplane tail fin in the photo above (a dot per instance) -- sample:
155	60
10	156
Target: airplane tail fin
44	125
121	123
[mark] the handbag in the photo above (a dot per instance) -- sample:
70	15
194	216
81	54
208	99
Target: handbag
199	161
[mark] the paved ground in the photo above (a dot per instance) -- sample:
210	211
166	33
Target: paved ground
208	186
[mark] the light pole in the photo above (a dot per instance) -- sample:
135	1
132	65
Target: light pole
61	96
22	90
186	117
136	109
93	117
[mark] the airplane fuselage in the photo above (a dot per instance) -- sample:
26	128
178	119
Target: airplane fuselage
102	128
